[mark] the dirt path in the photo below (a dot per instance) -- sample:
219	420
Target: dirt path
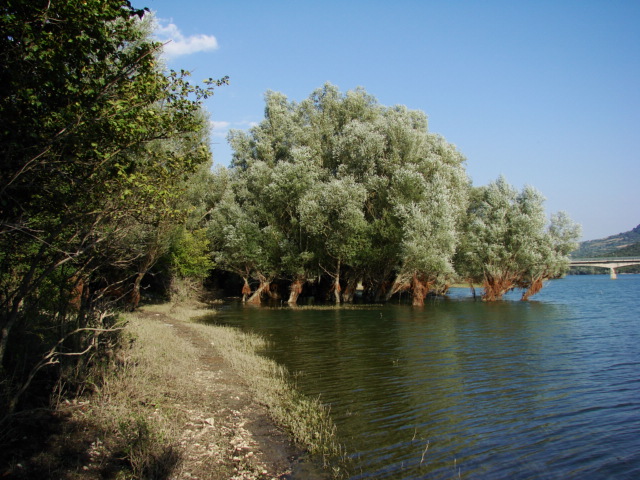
227	430
215	428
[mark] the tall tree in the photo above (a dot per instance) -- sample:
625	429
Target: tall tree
507	243
385	157
82	148
332	213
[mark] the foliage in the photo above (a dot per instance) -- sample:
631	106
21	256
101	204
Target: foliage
507	244
609	246
190	254
632	250
342	189
96	143
342	185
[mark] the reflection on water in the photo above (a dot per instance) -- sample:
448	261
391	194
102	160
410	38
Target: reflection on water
461	388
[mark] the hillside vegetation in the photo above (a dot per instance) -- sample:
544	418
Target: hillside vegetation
625	244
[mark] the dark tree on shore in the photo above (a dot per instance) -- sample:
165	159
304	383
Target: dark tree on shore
96	142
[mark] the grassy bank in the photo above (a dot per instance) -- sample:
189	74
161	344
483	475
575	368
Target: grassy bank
151	412
123	424
307	420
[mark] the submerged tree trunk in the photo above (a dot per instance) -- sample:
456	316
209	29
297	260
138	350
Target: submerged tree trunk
400	284
496	286
419	290
336	285
473	289
535	287
246	289
295	290
380	285
350	290
337	289
263	288
380	290
273	292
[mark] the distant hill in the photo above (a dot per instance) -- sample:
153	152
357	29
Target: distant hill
624	244
632	250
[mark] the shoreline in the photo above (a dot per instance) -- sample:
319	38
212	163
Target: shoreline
184	401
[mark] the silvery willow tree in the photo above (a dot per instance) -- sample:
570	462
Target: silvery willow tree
508	243
342	186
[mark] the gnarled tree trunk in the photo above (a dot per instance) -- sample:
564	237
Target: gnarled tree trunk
496	286
400	284
295	290
419	290
263	288
535	287
246	289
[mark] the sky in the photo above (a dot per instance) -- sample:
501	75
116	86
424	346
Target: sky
544	92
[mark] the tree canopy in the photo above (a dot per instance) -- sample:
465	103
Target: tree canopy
97	142
341	190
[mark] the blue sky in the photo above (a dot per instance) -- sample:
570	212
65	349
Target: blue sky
546	93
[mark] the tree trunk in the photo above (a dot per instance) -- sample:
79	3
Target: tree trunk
134	297
350	290
272	291
7	325
419	291
535	287
336	285
496	287
380	285
263	288
295	290
399	285
246	290
152	256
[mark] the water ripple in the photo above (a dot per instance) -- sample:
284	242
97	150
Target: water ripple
462	389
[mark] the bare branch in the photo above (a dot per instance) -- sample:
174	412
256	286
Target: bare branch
52	358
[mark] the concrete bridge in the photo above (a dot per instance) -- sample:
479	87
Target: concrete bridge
610	263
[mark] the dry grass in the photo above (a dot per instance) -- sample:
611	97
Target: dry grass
134	406
126	424
307	419
147	407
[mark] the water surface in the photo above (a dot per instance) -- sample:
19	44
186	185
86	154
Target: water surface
548	388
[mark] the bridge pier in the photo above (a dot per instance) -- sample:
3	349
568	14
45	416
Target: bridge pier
613	273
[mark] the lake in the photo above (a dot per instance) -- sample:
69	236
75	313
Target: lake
548	388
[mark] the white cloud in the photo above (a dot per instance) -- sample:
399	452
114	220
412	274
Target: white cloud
219	129
177	44
219	125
